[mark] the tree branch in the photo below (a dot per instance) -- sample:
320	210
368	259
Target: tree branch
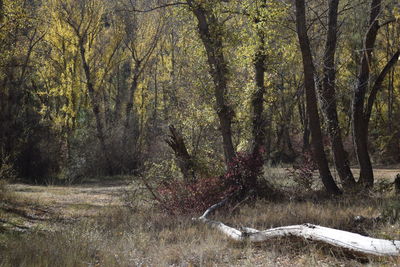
155	8
378	84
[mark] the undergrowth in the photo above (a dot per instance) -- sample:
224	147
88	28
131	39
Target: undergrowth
179	197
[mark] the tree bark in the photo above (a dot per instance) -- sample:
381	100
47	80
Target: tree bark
378	86
129	103
328	100
183	158
360	132
210	34
257	102
352	242
305	123
311	100
1	11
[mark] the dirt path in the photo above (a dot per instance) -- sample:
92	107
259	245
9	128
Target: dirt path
44	207
379	172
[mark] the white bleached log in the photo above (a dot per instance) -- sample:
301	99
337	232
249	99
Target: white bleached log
338	238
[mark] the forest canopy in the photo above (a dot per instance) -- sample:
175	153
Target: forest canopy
97	87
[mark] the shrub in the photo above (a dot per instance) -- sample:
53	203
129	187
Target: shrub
176	196
302	173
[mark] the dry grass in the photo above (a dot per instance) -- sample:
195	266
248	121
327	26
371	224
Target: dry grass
89	226
118	238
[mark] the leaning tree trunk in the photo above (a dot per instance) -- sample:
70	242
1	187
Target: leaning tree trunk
210	34
378	85
184	160
311	100
328	100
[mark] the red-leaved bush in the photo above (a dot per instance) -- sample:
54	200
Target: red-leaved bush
176	196
302	173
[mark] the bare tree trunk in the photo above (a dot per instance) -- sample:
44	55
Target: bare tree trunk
311	100
349	241
184	160
328	100
210	34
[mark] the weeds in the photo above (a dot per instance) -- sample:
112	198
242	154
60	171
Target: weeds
303	173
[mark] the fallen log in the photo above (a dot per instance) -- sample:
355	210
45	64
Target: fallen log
338	238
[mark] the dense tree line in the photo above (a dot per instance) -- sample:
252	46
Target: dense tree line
89	87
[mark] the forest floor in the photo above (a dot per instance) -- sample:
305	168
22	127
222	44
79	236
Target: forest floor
107	223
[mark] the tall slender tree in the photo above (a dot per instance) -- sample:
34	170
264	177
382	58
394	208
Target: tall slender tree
328	99
361	113
210	30
311	100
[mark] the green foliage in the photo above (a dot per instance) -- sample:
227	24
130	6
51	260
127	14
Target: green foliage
158	60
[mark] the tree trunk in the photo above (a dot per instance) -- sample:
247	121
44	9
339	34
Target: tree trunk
1	11
352	242
96	109
328	100
183	159
311	100
210	34
305	123
129	104
257	102
360	131
124	72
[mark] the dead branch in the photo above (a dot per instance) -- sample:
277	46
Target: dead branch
184	160
352	242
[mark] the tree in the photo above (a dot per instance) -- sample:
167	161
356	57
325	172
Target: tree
260	58
328	99
20	128
85	20
311	99
209	28
362	114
